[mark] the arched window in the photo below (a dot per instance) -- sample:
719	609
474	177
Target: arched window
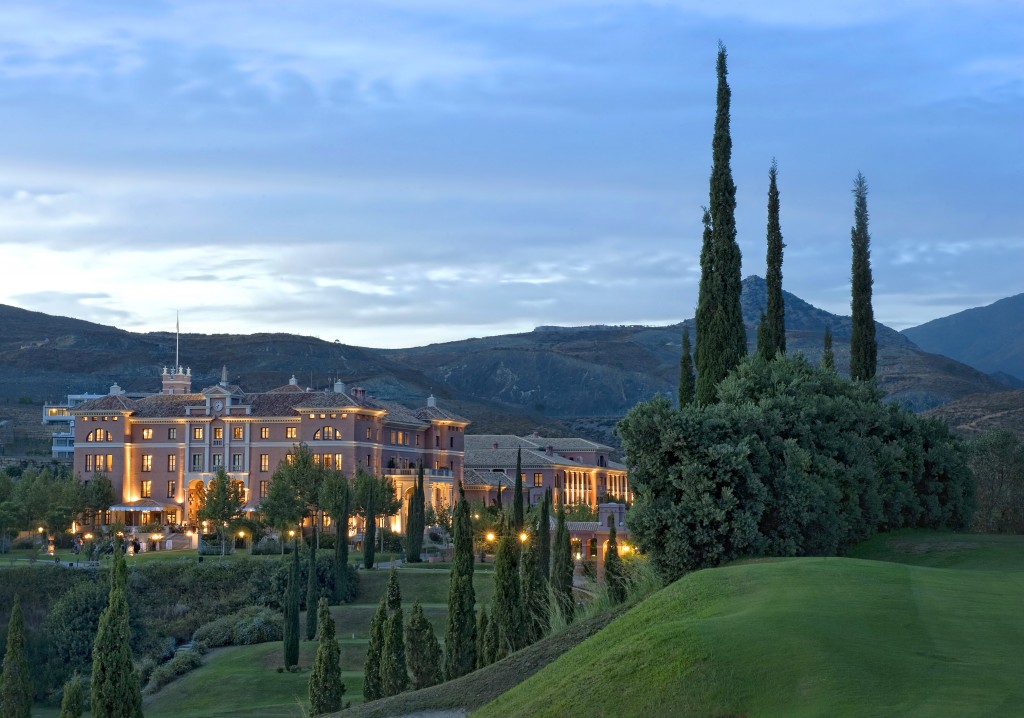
326	433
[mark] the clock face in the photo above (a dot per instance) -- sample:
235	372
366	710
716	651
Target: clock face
218	405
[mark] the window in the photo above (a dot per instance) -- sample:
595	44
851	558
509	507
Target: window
451	442
264	488
538	479
337	462
218	433
197	462
218	461
328	461
147	462
236	432
437	441
172	462
394	435
236	462
291	432
368	434
172	488
105	463
316	459
88	462
197	433
147	489
264	432
369	460
147	433
264	462
417	439
172	433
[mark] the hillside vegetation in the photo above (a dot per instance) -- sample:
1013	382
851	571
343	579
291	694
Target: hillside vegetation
809	637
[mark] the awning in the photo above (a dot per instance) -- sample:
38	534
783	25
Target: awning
145	505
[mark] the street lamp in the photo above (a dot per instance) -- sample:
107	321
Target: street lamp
523	536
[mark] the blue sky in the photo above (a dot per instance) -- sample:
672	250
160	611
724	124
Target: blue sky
402	172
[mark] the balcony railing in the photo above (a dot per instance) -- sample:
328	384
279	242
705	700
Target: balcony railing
427	473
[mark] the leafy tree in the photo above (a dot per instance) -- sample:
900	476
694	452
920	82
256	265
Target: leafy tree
773	338
281	508
517	495
99	494
415	524
325	686
614	571
15	681
863	347
115	684
374	497
337	502
72	703
687	382
224	504
721	335
536	606
562	570
291	611
394	676
828	359
460	631
508	602
997	461
69	630
373	688
422	650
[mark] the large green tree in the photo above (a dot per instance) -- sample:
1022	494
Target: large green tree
115	684
721	335
863	347
422	650
337	502
281	508
415	523
375	497
771	334
687	381
460	630
562	570
325	686
224	503
508	600
15	681
536	605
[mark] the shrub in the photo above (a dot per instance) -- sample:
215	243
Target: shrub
251	625
182	663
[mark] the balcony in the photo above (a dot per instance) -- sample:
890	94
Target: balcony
217	442
437	474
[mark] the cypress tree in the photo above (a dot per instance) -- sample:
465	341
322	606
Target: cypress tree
775	318
312	590
15	681
291	611
370	529
417	517
115	684
492	641
762	335
863	347
508	605
372	687
544	539
422	650
536	606
828	359
721	336
325	686
483	621
72	704
517	496
394	676
687	382
562	570
614	571
460	631
498	502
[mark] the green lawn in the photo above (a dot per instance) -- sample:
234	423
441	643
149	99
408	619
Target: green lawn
809	637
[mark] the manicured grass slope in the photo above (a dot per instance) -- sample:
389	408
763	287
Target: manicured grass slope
808	637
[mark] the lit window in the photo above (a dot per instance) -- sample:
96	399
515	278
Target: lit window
337	462
172	462
291	432
147	489
88	462
264	462
197	433
264	488
368	434
264	432
172	488
236	433
218	432
538	479
147	433
316	459
394	435
147	462
172	433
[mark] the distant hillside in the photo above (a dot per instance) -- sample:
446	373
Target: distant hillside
577	380
979	413
989	338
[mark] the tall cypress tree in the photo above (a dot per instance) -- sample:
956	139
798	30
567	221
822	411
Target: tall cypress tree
417	517
517	496
372	686
370	527
687	382
863	347
312	590
544	539
492	641
614	571
422	650
562	569
460	631
72	703
828	359
325	686
508	602
536	607
15	681
482	622
291	611
721	335
774	323
115	684
394	676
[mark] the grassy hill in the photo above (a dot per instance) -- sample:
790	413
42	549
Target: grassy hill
978	413
925	625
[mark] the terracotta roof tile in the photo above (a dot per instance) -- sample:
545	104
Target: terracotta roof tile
472	477
109	403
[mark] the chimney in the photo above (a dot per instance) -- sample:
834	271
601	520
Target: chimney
549	450
431	402
358	393
494	445
293	381
115	390
339	387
